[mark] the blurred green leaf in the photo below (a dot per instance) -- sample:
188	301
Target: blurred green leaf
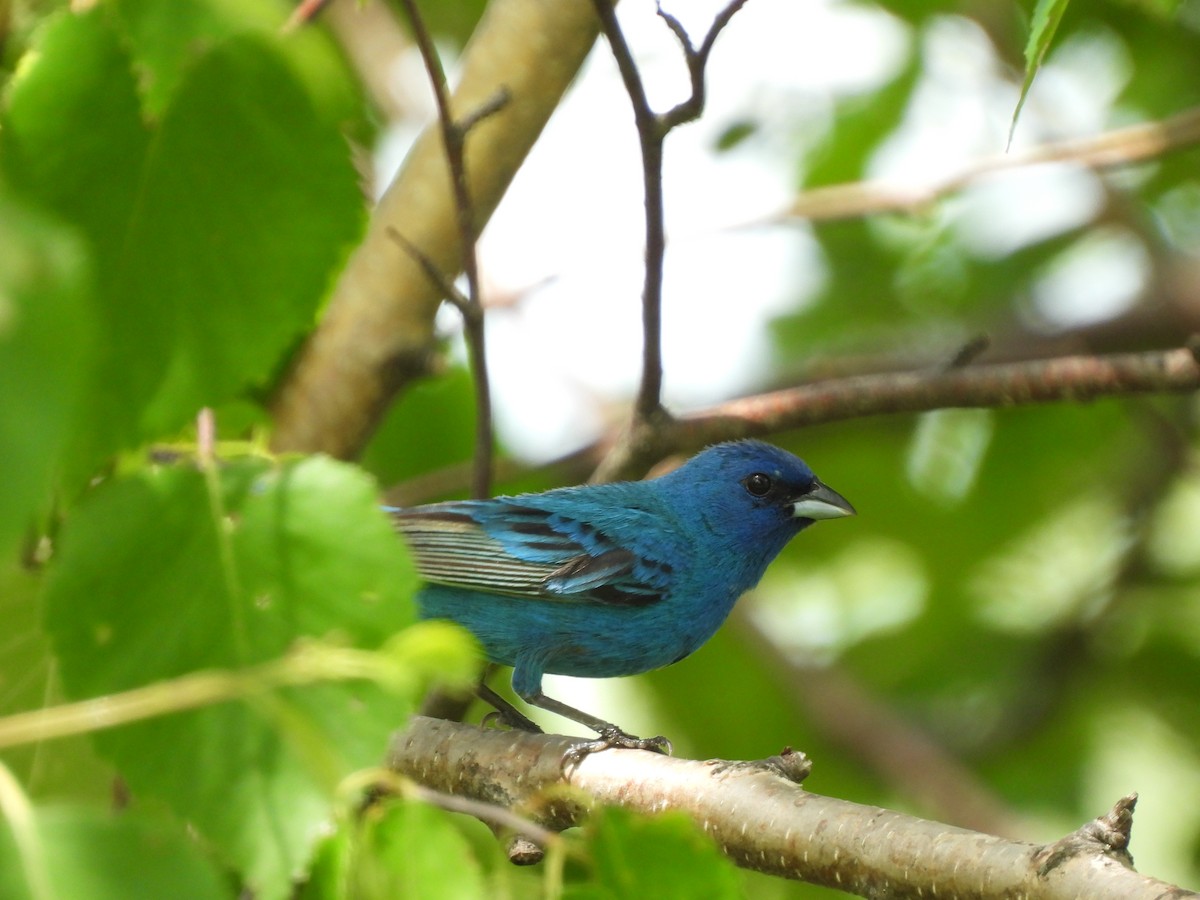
665	855
164	573
90	178
735	133
28	681
431	426
239	229
80	854
214	239
411	849
46	345
166	40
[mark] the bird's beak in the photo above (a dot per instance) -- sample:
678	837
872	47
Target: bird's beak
821	502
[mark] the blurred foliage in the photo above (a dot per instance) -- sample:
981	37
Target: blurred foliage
1021	586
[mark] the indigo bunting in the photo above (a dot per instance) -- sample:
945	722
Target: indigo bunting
611	579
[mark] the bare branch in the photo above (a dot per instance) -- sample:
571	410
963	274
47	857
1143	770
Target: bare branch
1062	379
697	60
1068	378
454	136
1121	147
762	819
650	136
652	130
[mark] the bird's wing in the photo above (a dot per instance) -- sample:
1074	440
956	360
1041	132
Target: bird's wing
507	547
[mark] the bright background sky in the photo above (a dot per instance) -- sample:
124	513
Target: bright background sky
566	242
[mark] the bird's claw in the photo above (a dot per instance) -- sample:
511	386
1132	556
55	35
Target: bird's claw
613	737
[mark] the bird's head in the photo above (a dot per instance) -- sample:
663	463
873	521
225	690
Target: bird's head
753	494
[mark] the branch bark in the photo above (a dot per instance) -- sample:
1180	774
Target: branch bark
1065	378
377	334
763	819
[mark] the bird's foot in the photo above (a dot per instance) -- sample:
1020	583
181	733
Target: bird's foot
610	736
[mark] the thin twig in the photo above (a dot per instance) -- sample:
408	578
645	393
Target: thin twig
485	812
650	137
690	109
454	135
454	296
1120	147
652	129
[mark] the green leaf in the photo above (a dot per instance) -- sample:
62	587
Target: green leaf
167	39
431	426
411	849
60	768
215	232
78	853
249	205
45	347
664	855
1046	16
89	177
167	572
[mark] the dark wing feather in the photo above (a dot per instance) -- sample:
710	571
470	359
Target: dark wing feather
504	547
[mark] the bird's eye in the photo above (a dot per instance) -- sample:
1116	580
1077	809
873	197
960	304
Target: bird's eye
758	484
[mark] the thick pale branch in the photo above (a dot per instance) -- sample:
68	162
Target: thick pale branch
763	820
377	334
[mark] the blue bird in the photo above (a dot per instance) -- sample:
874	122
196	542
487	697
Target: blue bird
611	579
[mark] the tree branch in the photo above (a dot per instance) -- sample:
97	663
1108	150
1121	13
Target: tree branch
1120	147
377	333
652	129
1067	378
454	136
762	819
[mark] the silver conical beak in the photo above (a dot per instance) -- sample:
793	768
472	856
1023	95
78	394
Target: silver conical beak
822	502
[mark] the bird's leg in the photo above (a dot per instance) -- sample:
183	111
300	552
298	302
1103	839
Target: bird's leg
505	711
609	734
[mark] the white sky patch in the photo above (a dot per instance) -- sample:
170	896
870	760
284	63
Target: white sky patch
1001	214
1097	278
960	111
